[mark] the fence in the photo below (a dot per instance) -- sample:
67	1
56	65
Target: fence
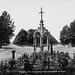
13	72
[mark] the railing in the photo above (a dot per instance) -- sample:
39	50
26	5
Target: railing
16	72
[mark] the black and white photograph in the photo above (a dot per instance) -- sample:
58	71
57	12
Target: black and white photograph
37	37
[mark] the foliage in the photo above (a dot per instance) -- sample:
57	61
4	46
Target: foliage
33	57
6	28
72	33
65	35
26	62
26	38
53	40
30	36
21	38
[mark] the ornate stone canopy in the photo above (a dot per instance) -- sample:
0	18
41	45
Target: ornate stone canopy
39	33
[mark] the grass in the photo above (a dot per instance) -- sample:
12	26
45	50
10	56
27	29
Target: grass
6	54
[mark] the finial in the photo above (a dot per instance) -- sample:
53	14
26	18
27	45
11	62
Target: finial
41	13
41	9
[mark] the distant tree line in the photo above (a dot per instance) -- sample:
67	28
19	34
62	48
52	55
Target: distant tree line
67	34
26	38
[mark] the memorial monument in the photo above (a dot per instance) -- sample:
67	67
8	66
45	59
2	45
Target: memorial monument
39	34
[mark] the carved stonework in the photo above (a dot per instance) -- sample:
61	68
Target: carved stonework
40	33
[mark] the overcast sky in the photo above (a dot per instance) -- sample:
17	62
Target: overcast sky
25	14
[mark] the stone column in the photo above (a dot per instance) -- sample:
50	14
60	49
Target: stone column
51	48
48	47
34	44
38	41
41	44
47	43
13	54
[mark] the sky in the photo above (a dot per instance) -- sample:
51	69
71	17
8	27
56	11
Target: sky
25	14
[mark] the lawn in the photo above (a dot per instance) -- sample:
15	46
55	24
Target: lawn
5	53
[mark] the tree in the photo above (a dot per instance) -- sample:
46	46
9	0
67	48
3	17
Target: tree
21	38
53	40
65	35
72	33
30	36
26	38
6	28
